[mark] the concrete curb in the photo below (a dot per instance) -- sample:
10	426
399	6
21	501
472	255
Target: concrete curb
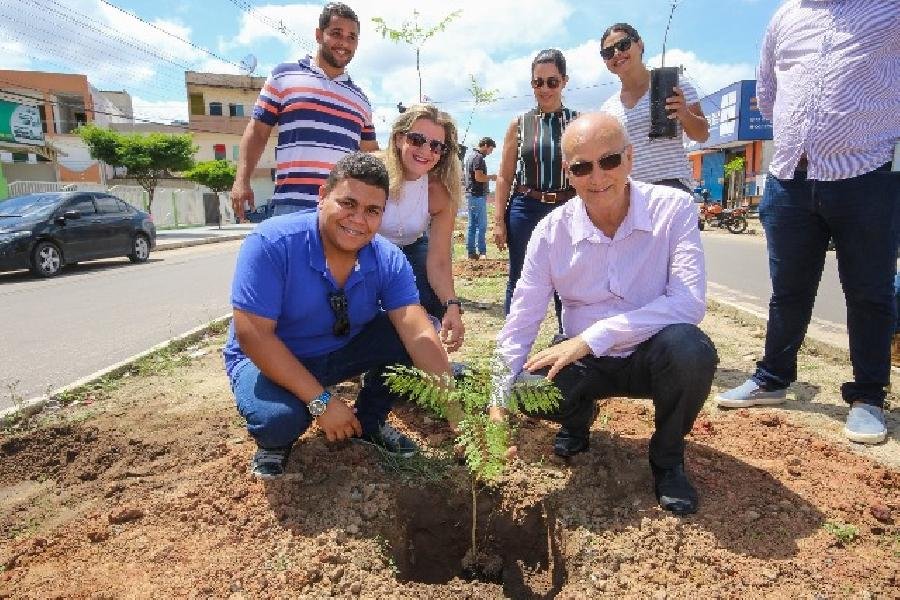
198	242
32	406
814	341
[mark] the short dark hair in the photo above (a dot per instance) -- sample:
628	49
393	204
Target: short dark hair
550	55
360	166
336	9
486	141
624	28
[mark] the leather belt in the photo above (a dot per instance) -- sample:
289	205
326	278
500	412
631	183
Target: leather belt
557	197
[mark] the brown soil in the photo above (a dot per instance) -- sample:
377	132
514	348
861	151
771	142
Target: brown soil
484	267
143	492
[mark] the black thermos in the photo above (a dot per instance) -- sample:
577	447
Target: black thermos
662	80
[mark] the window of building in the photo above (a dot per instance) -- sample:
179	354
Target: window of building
235	152
72	113
236	110
215	109
20	156
197	105
219	151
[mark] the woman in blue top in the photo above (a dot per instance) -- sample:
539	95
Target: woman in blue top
531	180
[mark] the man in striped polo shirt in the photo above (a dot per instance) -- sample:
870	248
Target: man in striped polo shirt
320	113
829	78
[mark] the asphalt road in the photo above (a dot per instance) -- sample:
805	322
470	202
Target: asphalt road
55	331
738	267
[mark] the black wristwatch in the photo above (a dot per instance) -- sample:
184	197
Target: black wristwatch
455	301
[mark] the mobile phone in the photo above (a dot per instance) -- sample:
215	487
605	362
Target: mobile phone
662	82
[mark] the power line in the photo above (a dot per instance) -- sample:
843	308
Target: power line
172	35
38	43
126	42
278	26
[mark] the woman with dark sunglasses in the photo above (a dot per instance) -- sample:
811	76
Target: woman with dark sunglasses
531	180
422	160
662	161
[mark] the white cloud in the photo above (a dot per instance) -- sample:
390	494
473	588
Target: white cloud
159	111
12	56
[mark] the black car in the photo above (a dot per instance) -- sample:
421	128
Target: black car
44	232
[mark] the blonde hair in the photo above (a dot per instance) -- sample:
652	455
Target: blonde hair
448	169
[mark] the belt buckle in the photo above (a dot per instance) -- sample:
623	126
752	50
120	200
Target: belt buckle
549	197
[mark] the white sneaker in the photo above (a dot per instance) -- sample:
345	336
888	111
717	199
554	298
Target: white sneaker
749	394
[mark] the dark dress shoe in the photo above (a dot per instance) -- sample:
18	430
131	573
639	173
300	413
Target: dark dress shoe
568	444
674	491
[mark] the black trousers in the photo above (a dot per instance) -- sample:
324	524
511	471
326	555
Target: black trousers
674	368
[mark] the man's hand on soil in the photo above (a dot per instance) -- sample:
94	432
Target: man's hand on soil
338	421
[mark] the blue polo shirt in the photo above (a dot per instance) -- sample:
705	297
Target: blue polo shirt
281	275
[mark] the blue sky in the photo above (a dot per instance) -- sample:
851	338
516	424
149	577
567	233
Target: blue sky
717	42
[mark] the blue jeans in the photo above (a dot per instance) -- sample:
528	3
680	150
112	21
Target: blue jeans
897	302
861	214
276	418
417	255
286	209
475	240
522	217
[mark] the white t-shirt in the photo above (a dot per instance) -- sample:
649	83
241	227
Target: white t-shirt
406	218
656	159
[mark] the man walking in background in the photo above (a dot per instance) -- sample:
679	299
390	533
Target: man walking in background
320	113
476	196
829	79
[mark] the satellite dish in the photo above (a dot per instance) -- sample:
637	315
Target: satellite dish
248	64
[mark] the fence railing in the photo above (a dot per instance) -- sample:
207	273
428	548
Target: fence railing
170	207
18	188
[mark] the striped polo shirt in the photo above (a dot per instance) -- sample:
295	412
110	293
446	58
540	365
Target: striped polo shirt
539	164
829	79
654	159
319	121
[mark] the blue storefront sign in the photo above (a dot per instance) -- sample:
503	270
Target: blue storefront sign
733	116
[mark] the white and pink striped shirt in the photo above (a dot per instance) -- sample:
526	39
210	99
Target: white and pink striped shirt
616	293
829	79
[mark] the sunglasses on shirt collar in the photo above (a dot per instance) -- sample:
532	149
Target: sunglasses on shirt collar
622	45
552	82
606	163
338	303
418	140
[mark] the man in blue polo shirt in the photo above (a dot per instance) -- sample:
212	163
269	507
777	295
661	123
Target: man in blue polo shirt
319	298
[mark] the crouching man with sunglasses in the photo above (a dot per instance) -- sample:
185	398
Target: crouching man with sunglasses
626	260
318	299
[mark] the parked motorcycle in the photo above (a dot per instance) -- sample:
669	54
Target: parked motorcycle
732	219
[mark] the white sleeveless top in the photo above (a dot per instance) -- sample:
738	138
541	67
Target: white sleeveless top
406	218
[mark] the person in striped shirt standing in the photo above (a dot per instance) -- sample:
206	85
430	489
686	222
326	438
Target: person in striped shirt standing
320	113
829	78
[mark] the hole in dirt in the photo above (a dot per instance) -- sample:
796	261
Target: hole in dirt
432	539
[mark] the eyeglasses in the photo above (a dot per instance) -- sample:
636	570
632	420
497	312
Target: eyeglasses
418	140
607	163
552	82
622	45
338	303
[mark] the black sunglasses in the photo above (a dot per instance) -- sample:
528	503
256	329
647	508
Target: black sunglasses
338	303
622	45
552	82
418	140
607	163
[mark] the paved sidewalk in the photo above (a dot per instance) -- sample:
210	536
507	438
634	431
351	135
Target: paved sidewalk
170	239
